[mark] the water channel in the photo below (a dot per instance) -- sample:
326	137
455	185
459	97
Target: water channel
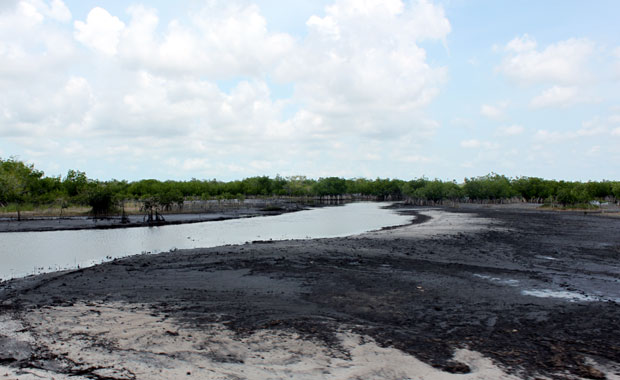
24	253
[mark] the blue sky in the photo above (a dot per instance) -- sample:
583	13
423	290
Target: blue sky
230	89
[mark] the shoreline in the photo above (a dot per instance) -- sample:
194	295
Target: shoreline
68	223
43	224
467	293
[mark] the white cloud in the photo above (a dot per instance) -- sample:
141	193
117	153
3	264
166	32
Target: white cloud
7	4
614	119
565	62
616	132
350	79
54	112
545	136
557	96
29	13
419	21
238	37
195	165
594	151
462	122
428	21
564	67
511	130
219	42
493	112
477	144
33	52
415	159
101	31
591	128
490	111
59	11
361	62
54	9
146	92
35	11
521	44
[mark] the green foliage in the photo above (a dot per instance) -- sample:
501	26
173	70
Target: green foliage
101	198
22	184
492	186
598	190
566	196
384	188
615	188
361	186
19	182
257	186
532	188
278	185
75	183
17	207
435	190
298	186
330	186
410	188
570	193
143	188
169	196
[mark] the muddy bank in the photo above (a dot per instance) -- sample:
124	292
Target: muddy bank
532	293
88	222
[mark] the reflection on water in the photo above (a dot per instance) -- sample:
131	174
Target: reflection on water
570	296
23	253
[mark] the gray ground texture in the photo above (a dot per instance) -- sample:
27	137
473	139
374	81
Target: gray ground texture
536	292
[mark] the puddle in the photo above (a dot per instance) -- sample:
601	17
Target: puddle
547	258
498	280
569	296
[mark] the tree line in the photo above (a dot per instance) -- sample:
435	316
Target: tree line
22	184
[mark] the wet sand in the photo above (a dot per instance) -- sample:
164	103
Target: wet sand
467	294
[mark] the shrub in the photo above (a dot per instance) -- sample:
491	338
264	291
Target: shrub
101	199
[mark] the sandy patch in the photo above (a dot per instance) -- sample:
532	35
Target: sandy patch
126	341
441	223
16	342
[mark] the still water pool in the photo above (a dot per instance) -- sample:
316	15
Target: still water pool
24	253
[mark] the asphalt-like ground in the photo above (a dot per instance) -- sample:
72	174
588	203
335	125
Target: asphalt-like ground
537	292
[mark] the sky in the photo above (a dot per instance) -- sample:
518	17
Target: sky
446	89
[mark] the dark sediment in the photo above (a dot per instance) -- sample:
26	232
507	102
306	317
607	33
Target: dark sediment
38	224
424	296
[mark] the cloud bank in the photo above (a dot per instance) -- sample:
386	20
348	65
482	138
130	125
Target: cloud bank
355	88
129	85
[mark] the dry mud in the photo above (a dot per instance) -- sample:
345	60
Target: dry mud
464	294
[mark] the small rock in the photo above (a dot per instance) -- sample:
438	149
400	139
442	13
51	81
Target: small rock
590	372
456	367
